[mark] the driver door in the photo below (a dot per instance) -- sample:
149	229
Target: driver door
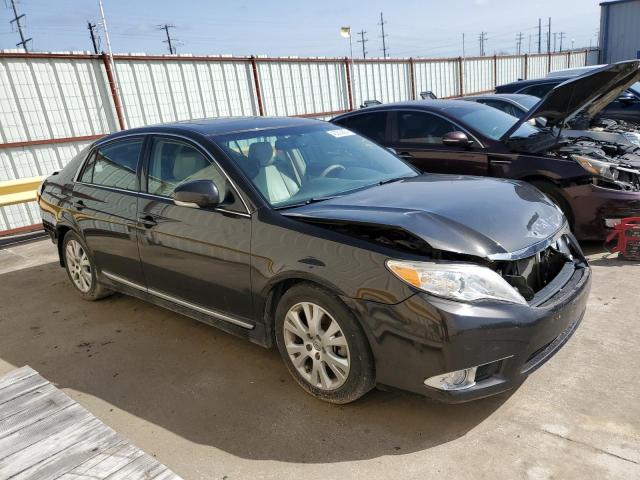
417	137
196	256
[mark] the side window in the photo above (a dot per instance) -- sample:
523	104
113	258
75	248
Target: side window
114	165
422	128
538	90
372	125
504	107
173	162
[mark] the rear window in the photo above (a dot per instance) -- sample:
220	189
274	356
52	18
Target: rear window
114	165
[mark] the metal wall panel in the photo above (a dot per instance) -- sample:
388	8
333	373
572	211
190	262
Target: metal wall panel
441	77
379	80
619	32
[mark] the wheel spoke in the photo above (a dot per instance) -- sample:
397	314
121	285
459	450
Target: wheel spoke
294	324
315	373
339	365
325	381
313	313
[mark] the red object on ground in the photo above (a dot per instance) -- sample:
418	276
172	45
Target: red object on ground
627	237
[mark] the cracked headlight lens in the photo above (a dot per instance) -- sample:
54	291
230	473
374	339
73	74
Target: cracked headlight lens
464	282
597	167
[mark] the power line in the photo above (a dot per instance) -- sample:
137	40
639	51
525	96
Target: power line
363	41
169	40
16	19
94	40
383	36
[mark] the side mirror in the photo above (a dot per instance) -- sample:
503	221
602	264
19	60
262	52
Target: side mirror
456	139
428	95
392	150
626	98
197	194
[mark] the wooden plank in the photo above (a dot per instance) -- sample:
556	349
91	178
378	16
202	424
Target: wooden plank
15	376
39	408
29	400
85	448
45	435
22	387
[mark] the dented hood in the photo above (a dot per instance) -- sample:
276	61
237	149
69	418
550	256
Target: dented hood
587	94
477	216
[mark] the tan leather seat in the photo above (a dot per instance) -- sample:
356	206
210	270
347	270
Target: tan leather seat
275	185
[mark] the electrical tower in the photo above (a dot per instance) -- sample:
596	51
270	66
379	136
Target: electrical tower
539	35
562	35
169	41
16	19
383	36
482	38
95	41
519	38
363	41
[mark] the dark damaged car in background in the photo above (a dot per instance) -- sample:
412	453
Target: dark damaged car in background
594	184
303	235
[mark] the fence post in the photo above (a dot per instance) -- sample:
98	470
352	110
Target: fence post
495	71
549	62
114	90
569	59
349	85
526	66
461	76
586	57
412	79
256	81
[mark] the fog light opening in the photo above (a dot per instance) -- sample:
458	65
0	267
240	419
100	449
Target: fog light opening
457	380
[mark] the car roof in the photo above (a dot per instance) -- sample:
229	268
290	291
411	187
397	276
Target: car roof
219	126
509	96
440	105
536	81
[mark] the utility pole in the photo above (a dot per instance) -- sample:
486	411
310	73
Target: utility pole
16	19
555	35
529	43
363	41
549	36
519	38
483	39
539	35
168	41
94	40
562	35
383	36
464	52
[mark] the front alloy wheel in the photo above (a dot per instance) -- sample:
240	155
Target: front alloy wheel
323	344
316	346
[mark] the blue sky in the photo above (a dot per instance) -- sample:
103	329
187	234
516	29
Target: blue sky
427	28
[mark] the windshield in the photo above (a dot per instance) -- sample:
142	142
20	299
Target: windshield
294	165
491	122
527	101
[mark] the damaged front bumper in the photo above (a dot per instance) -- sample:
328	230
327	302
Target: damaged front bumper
596	209
424	336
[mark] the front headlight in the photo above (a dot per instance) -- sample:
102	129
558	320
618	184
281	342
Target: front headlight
597	167
464	282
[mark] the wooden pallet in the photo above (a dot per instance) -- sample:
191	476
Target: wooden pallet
46	435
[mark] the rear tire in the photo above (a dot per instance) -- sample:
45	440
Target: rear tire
553	192
323	345
81	268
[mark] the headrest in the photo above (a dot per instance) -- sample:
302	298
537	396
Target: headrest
187	163
261	152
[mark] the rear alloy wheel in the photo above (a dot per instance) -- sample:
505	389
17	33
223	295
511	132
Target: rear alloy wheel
81	269
322	345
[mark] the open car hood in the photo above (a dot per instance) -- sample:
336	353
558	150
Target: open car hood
483	217
587	94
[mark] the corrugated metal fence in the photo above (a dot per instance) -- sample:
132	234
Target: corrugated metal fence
52	105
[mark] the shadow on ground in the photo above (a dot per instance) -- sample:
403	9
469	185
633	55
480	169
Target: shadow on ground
202	384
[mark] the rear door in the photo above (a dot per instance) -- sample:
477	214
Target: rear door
193	256
105	206
373	125
417	137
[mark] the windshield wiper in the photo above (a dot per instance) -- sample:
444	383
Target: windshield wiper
306	202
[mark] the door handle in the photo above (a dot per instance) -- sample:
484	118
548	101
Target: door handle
148	221
79	205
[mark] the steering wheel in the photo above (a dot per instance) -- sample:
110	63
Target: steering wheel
331	168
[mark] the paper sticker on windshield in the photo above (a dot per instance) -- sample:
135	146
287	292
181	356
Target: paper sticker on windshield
340	133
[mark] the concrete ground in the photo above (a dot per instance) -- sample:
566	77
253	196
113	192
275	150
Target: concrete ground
209	405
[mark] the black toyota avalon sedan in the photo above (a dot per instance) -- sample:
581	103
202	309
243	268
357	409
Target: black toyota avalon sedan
301	234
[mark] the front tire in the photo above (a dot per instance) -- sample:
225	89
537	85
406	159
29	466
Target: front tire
81	268
323	345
